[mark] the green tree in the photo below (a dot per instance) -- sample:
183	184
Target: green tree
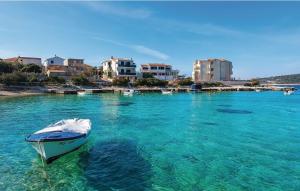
31	68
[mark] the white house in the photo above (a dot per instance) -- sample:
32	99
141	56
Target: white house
160	71
119	68
54	61
212	70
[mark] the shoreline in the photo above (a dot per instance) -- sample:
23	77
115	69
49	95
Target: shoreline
45	91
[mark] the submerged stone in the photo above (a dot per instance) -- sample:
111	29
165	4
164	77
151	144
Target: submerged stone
210	123
116	165
121	104
234	111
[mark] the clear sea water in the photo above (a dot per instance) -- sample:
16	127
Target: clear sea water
218	141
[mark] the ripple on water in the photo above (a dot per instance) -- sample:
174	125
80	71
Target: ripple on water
114	165
234	111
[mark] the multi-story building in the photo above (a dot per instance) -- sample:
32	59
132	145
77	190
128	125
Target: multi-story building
212	70
77	66
54	61
119	68
25	60
159	71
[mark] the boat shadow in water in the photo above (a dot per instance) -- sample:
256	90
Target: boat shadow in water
234	111
116	165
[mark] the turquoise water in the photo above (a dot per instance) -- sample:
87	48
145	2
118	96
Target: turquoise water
220	141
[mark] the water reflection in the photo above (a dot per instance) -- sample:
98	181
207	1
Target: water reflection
114	165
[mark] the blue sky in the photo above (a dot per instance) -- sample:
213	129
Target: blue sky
260	38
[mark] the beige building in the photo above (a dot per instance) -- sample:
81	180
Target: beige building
25	60
77	66
212	70
160	71
72	67
119	68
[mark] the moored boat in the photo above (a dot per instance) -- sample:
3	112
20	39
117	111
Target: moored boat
81	92
60	138
166	92
288	92
128	92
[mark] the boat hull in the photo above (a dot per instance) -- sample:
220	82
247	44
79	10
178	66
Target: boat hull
51	150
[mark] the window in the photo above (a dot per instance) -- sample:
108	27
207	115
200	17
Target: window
51	62
122	63
153	68
122	71
127	71
145	68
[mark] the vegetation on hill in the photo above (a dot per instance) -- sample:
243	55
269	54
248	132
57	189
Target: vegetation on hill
285	79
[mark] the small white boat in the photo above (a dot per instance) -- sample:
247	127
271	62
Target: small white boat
258	90
167	92
288	92
60	138
128	92
81	92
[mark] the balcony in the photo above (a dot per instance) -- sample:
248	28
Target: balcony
127	73
127	65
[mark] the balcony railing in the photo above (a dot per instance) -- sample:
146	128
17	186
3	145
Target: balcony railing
127	73
127	65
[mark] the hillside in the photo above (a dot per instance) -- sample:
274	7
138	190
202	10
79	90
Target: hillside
285	79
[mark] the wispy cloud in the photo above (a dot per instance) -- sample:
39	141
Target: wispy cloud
137	48
207	29
150	52
104	7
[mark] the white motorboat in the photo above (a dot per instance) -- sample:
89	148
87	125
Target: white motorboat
258	90
288	92
128	92
81	92
167	92
60	138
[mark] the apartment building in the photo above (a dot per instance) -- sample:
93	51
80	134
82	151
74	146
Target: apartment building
159	71
119	68
212	70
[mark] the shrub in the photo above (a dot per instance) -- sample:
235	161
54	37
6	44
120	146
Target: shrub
14	78
185	82
212	84
80	80
123	82
58	80
6	67
31	68
148	75
253	82
150	82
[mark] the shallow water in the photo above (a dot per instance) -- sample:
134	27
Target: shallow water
219	141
